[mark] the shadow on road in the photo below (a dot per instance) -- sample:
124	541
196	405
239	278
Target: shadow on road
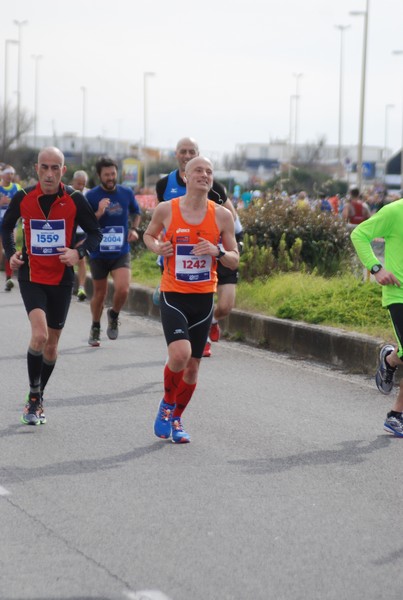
350	453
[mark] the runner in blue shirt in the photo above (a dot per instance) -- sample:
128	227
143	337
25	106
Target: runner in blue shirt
119	216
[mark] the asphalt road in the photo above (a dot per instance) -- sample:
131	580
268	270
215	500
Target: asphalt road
290	489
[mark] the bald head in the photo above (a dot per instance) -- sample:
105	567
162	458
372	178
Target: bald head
196	162
198	176
188	141
186	149
52	152
50	169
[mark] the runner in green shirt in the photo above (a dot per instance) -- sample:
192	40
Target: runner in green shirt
388	224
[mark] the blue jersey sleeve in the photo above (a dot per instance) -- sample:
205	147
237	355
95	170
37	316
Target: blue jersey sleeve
134	208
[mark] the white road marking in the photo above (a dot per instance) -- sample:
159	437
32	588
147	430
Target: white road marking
4	492
146	595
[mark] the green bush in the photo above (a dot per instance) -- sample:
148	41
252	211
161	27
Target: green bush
323	239
258	262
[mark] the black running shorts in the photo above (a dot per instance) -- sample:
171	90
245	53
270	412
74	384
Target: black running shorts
226	275
187	317
396	316
101	267
54	300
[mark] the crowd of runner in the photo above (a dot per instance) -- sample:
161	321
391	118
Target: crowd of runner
196	234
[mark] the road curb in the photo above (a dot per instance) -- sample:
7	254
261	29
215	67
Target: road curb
349	351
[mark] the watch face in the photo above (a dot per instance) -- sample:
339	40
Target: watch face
376	269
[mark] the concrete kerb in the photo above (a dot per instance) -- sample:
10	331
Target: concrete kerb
352	352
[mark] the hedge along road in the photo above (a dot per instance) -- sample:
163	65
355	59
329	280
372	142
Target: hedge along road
287	491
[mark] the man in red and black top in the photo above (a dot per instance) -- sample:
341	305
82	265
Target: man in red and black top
50	214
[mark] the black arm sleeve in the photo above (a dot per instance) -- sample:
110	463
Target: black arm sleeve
160	188
10	219
87	220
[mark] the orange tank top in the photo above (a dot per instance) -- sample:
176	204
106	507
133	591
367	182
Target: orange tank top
184	272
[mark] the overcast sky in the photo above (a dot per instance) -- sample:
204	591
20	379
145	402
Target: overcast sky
224	69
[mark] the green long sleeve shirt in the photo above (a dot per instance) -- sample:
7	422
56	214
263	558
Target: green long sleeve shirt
387	224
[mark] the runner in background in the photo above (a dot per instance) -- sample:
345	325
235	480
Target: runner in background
7	190
119	216
79	182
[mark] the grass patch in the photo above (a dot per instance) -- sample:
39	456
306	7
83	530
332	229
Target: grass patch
343	302
145	270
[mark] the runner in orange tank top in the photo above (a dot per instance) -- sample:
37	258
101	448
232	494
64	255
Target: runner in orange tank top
193	226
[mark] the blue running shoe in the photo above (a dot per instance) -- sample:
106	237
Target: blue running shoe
162	424
393	425
179	435
385	374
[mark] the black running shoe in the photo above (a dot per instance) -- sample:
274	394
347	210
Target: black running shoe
385	375
393	425
33	410
113	326
95	334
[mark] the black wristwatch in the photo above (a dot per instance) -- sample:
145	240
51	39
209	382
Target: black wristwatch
376	268
220	254
82	252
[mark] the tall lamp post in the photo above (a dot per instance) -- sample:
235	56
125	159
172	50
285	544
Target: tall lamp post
342	29
290	137
400	53
297	78
37	58
364	14
388	107
145	77
19	24
5	116
83	137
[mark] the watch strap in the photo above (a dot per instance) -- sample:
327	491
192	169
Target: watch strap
82	252
376	268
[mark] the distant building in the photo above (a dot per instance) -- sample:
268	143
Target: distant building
263	161
256	161
71	145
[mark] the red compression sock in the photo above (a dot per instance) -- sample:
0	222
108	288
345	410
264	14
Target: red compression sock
185	392
172	380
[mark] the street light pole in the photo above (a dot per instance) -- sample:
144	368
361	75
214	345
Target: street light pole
362	95
342	29
297	77
19	24
400	53
83	148
5	116
385	147
37	58
145	76
290	144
